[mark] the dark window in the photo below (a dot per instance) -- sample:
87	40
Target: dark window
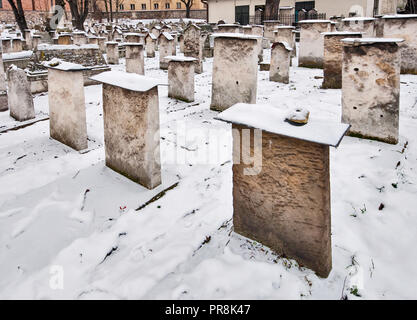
143	6
376	7
166	5
306	5
1	3
155	6
132	6
121	7
242	14
178	5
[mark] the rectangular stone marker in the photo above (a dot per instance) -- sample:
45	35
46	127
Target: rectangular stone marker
135	61
19	95
112	50
17	45
79	38
166	43
286	34
150	43
235	70
131	126
371	88
279	70
283	199
269	27
366	25
7	45
35	41
312	43
3	86
132	37
67	104
64	39
403	26
228	28
333	57
181	78
193	46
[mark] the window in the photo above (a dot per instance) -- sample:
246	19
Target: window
121	7
178	5
132	6
1	4
166	5
155	6
143	6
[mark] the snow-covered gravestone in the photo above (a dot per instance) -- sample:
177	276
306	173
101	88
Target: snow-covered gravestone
79	38
366	25
132	37
35	41
67	104
228	28
286	34
17	45
193	46
19	95
270	26
181	78
312	43
112	51
3	87
279	69
371	87
93	40
150	44
7	45
333	57
403	26
235	70
102	44
281	194
166	43
64	39
131	126
135	62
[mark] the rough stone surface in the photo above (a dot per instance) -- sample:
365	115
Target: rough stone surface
279	70
371	90
4	105
165	49
269	27
64	39
135	62
368	27
287	205
235	70
333	60
150	47
112	50
311	44
67	108
131	134
181	80
286	35
19	96
193	46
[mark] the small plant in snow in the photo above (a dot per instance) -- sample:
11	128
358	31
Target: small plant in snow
354	290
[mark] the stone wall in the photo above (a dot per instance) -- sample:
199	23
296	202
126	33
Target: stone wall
160	14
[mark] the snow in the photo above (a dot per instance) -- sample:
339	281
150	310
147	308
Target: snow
234	35
314	21
180	58
359	19
62	65
272	119
371	40
46	46
167	35
49	222
125	80
400	16
17	55
341	33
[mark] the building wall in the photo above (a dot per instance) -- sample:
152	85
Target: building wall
29	5
142	5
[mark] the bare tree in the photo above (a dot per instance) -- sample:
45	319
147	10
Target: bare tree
19	14
117	5
79	12
271	9
411	6
188	5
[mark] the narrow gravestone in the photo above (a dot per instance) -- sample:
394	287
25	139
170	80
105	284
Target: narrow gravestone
67	104
312	43
166	43
19	95
333	57
150	44
235	70
279	70
135	58
181	78
131	126
365	25
281	194
371	87
193	47
112	50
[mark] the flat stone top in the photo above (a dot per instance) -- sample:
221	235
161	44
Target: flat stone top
272	119
58	64
132	34
138	44
371	40
46	46
180	59
235	35
228	25
129	81
111	42
400	16
341	33
314	21
359	19
284	43
284	27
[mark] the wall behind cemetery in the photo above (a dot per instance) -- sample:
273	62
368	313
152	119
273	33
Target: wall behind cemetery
7	16
162	14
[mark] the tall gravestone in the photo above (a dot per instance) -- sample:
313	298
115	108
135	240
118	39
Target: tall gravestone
19	95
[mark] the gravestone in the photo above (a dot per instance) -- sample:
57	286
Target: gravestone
19	95
181	78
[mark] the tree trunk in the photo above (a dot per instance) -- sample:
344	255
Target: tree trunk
111	10
187	10
19	14
272	10
79	12
411	7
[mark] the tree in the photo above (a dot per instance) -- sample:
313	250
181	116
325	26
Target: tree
79	12
19	14
272	10
188	5
411	6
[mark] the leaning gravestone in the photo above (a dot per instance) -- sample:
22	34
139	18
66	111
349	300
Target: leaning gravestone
19	95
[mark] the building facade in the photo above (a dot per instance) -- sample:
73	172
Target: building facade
242	10
143	5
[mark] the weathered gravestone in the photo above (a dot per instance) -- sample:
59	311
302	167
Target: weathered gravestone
181	78
19	95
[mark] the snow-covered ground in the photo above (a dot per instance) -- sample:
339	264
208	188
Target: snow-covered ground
65	216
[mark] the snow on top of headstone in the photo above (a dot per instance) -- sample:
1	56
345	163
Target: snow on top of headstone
284	43
272	119
133	44
153	37
129	81
17	55
235	35
59	64
359	19
180	59
314	21
132	34
371	40
399	16
167	35
341	33
228	25
46	46
284	27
